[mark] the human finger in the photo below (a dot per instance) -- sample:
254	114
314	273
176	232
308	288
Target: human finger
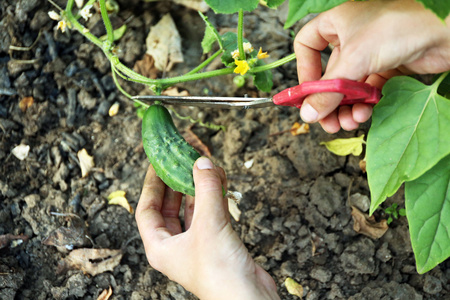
331	123
170	210
361	112
189	206
346	120
149	219
307	46
209	200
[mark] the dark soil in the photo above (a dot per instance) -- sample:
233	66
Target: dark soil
295	220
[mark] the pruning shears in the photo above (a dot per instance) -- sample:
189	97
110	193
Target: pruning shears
353	91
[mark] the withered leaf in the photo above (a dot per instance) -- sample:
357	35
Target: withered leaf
199	5
86	162
25	103
146	67
164	44
65	238
362	165
298	128
233	200
92	261
293	287
118	198
5	239
21	151
344	147
106	294
366	225
175	91
196	142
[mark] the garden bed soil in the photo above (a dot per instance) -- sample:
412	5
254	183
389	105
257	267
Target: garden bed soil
296	217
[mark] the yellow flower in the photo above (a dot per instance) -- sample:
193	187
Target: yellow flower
242	66
261	54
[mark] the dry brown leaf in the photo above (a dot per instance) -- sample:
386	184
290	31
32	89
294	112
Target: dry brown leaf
86	162
118	198
367	225
25	103
164	44
196	142
105	294
146	67
92	261
293	287
5	239
233	200
174	91
21	151
65	238
298	128
362	165
199	5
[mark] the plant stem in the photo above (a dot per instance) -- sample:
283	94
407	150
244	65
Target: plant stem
240	32
107	22
438	82
131	75
205	63
274	64
119	87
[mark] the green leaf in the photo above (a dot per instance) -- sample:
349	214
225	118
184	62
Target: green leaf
231	6
440	8
117	33
263	80
344	147
274	3
427	201
409	135
229	41
211	35
300	8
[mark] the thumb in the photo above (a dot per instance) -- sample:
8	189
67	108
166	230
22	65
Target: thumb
209	200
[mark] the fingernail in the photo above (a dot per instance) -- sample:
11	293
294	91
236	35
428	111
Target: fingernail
308	113
204	163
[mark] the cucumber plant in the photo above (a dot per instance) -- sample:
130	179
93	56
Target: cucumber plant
407	142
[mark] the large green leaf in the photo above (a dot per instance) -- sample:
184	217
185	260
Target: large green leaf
300	8
427	201
231	6
211	35
274	3
409	134
440	8
263	80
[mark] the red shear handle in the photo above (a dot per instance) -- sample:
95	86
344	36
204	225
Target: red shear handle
354	92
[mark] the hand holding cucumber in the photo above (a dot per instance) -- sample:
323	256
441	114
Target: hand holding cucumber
208	258
373	41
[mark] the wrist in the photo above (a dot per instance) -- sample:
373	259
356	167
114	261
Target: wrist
237	287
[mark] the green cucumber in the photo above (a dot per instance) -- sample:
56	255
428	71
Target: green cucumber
170	155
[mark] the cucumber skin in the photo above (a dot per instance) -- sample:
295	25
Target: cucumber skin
170	155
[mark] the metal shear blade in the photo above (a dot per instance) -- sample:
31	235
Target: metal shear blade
202	101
